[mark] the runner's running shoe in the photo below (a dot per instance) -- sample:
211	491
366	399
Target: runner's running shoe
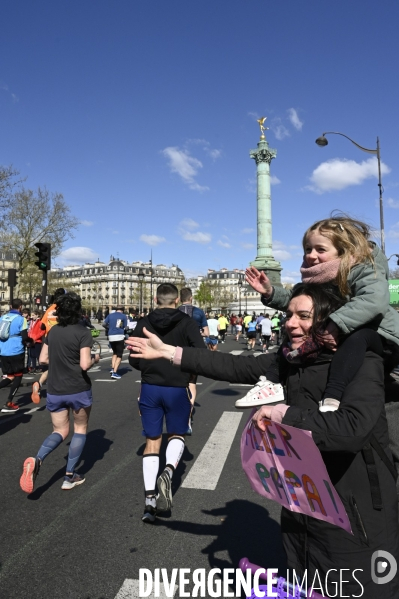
10	407
263	393
150	514
114	375
35	397
30	471
164	498
72	481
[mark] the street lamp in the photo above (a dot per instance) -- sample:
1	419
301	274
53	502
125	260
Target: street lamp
322	142
392	255
141	276
151	279
239	296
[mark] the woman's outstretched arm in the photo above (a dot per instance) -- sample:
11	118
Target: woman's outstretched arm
213	365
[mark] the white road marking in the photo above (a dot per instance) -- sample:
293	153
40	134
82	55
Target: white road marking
208	467
33	410
130	590
18	414
240	385
104	380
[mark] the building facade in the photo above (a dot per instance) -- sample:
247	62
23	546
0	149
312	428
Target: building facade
132	285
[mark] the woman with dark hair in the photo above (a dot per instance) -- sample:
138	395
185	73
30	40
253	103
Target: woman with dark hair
67	351
353	441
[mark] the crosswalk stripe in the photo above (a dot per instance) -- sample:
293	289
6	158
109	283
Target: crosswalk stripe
238	352
208	466
130	590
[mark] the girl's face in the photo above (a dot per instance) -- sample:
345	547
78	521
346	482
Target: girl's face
299	319
319	249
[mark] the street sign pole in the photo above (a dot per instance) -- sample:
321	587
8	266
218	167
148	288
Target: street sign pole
12	282
44	290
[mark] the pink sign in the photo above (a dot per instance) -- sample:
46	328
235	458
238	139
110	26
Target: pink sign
285	465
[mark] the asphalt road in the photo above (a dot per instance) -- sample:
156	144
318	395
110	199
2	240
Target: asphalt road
90	542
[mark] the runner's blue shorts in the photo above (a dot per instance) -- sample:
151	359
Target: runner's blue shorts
157	402
75	401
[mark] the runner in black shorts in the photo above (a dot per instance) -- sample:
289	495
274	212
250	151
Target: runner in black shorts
67	350
116	323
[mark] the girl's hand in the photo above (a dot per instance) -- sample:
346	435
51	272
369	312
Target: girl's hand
331	336
258	281
257	418
151	348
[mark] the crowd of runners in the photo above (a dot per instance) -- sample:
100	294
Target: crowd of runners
338	341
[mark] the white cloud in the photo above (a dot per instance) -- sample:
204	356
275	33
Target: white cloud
223	244
187	231
274	180
391	203
280	251
294	119
4	87
78	255
247	230
152	240
247	246
87	223
290	276
337	173
197	236
185	165
189	223
279	130
214	154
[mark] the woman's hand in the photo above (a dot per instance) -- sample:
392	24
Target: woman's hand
258	281
151	348
257	418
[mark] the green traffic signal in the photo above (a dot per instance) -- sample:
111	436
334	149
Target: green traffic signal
44	256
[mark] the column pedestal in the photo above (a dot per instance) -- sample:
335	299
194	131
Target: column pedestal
264	260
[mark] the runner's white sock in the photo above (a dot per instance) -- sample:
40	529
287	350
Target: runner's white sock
150	472
174	451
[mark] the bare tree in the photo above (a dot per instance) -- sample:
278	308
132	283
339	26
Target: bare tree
394	274
33	217
8	181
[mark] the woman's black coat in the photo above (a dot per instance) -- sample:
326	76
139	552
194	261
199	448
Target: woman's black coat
341	436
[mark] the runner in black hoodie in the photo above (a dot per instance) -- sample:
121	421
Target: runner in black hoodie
164	392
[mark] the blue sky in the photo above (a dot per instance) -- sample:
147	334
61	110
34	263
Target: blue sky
142	115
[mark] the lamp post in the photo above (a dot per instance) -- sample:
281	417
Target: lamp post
141	276
322	142
151	279
239	296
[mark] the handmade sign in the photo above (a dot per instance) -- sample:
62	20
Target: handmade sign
285	465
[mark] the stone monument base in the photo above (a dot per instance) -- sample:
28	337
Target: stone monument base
271	268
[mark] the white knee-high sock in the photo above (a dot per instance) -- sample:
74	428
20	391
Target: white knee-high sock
150	472
174	451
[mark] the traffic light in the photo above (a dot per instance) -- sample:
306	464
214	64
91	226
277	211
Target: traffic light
44	256
12	277
38	300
